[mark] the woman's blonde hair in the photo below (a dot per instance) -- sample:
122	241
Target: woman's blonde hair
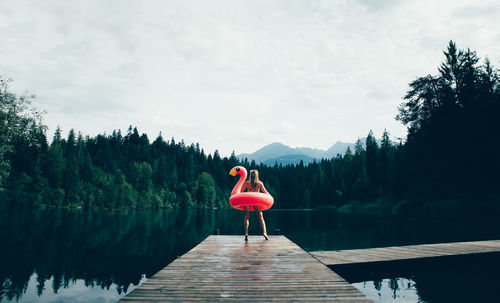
254	178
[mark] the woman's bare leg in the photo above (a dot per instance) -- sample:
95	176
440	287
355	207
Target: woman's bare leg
262	222
247	221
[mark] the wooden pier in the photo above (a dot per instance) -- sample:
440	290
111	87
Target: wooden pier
225	268
409	252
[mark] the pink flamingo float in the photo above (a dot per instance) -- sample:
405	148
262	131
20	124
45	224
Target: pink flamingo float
240	199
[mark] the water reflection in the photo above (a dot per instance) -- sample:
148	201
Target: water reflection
53	253
390	290
468	278
101	249
76	291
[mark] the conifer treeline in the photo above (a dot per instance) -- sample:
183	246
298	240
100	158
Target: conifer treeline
128	172
115	171
448	116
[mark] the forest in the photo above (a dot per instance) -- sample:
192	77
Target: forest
449	157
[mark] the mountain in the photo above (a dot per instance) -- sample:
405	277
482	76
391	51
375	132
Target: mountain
311	152
289	159
338	148
271	151
283	154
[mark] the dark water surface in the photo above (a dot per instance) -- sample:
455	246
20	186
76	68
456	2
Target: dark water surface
81	256
470	278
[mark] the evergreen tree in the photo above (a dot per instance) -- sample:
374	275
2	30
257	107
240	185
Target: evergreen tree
457	105
385	154
371	158
206	190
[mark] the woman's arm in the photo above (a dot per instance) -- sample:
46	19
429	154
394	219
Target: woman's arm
263	188
244	186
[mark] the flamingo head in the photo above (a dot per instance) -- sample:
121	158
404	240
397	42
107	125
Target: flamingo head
238	170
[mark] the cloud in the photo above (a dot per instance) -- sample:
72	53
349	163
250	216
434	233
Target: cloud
234	75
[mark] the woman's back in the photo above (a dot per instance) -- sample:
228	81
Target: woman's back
249	187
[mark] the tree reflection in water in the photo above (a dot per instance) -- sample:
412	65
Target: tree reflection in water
445	279
65	252
102	249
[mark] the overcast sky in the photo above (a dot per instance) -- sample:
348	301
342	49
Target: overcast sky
234	75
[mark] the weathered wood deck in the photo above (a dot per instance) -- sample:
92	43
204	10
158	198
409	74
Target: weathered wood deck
225	268
352	256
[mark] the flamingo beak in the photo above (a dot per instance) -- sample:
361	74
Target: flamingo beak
233	172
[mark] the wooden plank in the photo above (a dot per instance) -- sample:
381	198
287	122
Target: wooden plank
226	268
405	252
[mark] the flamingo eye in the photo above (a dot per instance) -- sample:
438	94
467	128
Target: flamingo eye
237	169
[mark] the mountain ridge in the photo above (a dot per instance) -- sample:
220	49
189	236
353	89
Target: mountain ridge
279	153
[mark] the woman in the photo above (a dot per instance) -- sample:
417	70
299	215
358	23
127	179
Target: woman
254	185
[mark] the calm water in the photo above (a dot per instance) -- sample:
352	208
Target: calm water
61	256
472	278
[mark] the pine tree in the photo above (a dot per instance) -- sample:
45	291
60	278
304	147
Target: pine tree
206	190
371	158
385	155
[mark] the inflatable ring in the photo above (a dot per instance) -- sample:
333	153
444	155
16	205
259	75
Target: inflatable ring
240	199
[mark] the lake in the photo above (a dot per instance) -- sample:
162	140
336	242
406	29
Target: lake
87	256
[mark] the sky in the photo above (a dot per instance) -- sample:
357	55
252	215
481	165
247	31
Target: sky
234	75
